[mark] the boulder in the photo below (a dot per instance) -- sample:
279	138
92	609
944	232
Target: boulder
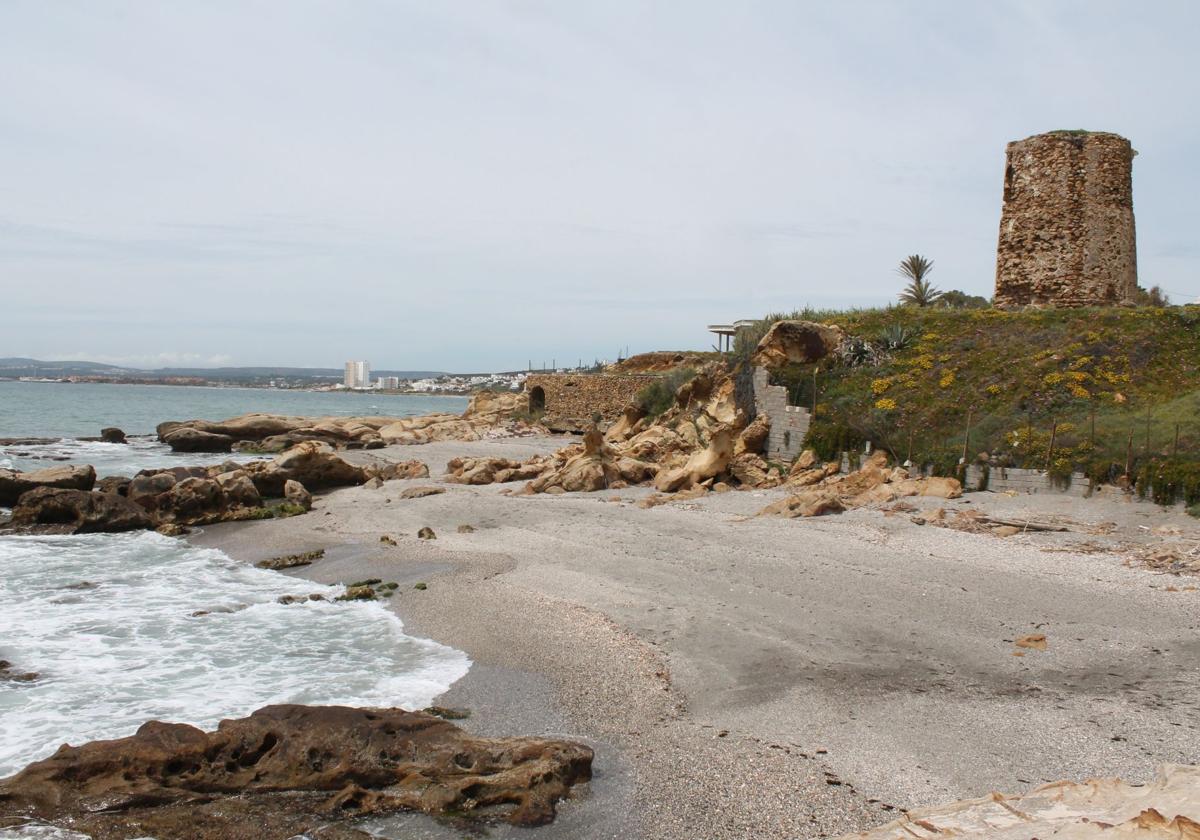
796	342
297	494
401	469
14	483
291	770
118	484
313	464
71	511
704	464
753	438
195	440
426	533
239	490
422	492
752	471
112	434
815	502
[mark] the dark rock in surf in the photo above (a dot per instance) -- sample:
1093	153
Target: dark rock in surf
291	770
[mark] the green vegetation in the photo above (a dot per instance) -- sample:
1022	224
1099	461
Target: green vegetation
1092	390
919	291
659	395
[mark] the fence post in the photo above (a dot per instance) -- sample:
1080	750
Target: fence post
1050	451
1129	455
1175	446
967	435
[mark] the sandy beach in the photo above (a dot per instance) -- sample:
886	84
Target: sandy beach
758	677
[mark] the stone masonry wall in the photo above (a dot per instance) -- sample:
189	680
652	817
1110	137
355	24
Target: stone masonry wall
789	423
1066	230
572	398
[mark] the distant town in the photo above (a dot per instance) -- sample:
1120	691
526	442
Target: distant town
356	376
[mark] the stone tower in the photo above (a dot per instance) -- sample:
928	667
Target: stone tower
1066	231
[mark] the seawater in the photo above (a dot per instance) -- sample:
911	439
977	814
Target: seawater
129	628
67	412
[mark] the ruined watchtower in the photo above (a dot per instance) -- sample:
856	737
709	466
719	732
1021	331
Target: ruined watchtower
1066	231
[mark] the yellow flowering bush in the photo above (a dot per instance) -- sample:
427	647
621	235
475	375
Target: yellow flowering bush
947	379
880	386
885	404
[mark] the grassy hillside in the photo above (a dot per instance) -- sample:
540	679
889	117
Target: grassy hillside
909	377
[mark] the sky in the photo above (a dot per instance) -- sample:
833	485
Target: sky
471	186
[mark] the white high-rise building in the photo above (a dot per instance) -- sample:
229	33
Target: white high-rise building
358	375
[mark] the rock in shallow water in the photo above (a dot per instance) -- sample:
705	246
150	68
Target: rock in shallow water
288	769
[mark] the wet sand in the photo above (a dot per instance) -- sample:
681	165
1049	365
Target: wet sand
747	677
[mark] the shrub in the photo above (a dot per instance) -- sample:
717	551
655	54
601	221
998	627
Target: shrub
659	395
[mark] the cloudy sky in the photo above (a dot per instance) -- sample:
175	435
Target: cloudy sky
470	185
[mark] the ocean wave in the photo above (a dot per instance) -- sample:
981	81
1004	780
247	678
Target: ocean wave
128	628
140	453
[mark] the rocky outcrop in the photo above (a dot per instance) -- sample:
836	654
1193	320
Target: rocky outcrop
494	470
873	483
66	511
594	466
13	482
488	415
112	434
197	440
796	342
183	496
291	769
313	464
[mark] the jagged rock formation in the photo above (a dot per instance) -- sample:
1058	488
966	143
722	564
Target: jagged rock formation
1066	230
827	492
488	415
286	770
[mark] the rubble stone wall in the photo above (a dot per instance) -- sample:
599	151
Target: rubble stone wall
570	399
789	423
1066	230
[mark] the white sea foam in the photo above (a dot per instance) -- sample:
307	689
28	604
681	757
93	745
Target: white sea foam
108	622
108	458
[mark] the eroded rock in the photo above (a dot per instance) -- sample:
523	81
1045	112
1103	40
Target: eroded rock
291	769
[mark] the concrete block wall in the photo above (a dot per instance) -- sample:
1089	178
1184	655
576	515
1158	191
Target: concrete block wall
1001	479
789	423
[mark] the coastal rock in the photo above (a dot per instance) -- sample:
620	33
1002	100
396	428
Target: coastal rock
493	470
111	434
426	533
118	484
796	342
335	765
702	465
401	470
238	490
195	440
313	464
421	492
872	483
297	494
13	483
753	438
78	512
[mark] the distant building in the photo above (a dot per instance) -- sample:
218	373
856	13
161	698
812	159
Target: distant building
388	383
358	375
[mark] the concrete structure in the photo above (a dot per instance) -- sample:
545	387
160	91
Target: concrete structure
388	383
567	401
1066	230
789	423
358	375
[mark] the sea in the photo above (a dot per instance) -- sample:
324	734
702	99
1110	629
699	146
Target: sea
125	628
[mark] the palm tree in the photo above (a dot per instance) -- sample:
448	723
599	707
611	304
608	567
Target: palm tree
919	291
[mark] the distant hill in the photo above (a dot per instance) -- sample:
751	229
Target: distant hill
39	367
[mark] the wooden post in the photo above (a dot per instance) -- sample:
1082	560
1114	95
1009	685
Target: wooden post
967	436
1129	454
908	458
1093	438
1175	446
1050	450
1146	451
816	370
